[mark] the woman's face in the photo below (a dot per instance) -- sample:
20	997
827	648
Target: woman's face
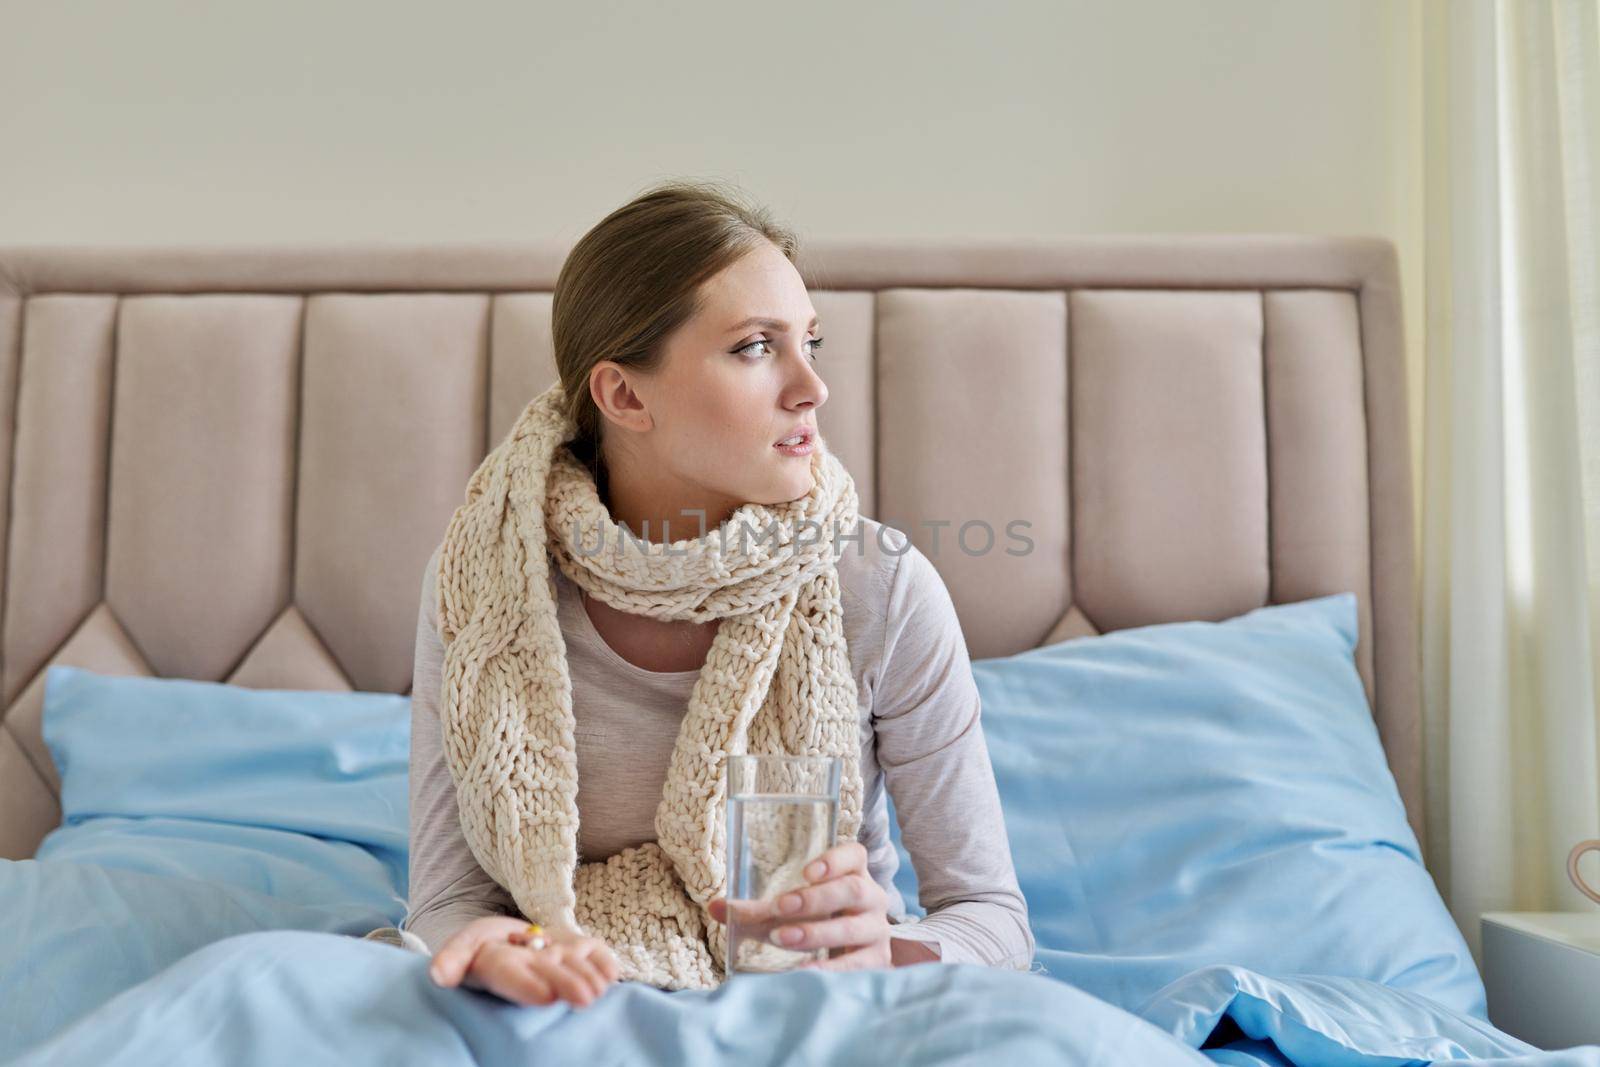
701	431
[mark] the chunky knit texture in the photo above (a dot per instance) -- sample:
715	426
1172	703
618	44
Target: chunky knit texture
777	680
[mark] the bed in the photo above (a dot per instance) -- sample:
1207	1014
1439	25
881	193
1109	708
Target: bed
229	464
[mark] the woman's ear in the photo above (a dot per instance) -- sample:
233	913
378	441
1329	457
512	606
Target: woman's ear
616	398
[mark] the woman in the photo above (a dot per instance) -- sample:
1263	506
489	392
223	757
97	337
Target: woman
582	670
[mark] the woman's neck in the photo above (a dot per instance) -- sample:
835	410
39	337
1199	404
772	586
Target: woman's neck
660	514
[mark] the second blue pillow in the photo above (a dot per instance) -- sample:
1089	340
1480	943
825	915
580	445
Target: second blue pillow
1198	793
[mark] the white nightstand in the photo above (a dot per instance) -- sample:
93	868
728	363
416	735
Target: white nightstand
1541	970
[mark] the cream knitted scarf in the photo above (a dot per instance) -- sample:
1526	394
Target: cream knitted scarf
777	680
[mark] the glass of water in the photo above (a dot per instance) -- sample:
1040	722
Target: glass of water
782	813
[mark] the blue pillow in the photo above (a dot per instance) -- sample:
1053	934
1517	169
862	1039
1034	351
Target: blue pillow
1189	794
194	811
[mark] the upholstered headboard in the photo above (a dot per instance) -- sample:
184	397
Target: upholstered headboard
232	463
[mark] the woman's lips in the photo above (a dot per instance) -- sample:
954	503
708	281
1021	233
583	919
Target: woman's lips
805	446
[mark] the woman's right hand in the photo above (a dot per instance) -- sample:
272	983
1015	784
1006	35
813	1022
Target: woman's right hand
480	956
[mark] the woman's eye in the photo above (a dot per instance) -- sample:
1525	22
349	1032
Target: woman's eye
815	342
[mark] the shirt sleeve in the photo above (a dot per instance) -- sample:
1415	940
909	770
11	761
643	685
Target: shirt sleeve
448	888
926	716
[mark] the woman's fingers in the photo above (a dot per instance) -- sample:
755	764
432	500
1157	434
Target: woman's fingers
840	859
586	969
553	966
847	892
502	968
451	963
809	917
606	960
481	956
524	984
853	928
454	959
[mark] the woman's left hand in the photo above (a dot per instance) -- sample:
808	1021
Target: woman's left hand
839	883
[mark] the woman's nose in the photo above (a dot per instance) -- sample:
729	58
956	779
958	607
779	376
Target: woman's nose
810	386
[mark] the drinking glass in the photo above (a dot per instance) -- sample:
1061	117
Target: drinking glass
782	813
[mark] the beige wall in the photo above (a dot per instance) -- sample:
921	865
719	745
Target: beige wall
296	121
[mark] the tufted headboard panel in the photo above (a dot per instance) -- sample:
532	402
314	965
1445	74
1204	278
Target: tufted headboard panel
232	463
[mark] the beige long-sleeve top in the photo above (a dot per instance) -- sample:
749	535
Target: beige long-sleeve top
921	737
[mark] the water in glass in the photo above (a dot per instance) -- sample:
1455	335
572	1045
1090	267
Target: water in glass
782	814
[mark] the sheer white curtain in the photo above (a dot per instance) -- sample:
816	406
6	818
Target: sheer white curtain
1510	564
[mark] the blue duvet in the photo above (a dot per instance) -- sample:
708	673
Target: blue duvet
303	998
